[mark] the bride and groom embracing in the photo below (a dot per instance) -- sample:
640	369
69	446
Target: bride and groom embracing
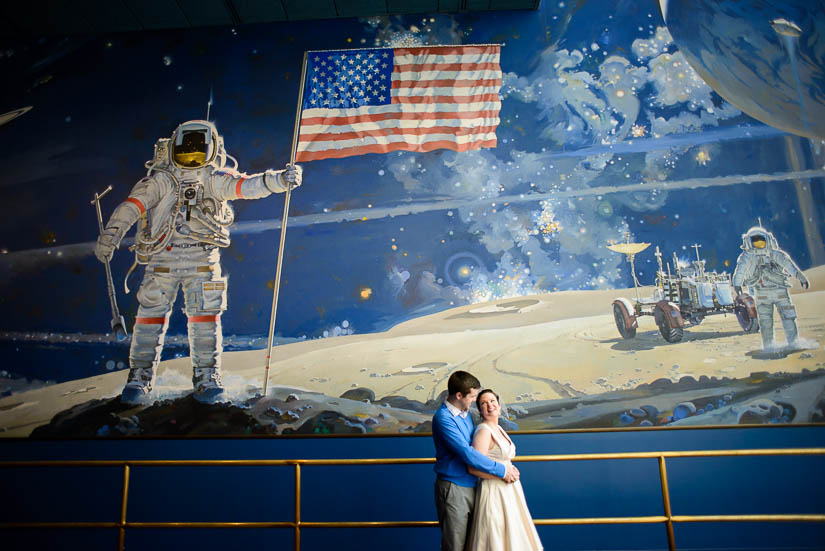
478	496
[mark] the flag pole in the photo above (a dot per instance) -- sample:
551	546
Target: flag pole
279	262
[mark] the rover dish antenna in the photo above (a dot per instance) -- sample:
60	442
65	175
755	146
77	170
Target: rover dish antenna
628	248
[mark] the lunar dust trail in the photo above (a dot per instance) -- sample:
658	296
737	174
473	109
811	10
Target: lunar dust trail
26	258
416	208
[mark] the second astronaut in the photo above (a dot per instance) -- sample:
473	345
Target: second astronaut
767	269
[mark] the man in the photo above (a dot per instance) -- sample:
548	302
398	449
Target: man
183	208
454	485
767	268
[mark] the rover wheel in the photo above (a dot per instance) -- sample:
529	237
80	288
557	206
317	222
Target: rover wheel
745	310
747	323
671	334
619	315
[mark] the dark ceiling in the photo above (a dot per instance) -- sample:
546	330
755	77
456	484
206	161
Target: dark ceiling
63	17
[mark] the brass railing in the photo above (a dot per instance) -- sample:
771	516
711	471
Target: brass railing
668	518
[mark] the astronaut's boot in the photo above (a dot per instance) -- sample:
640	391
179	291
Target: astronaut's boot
207	384
205	347
147	341
764	313
138	385
791	331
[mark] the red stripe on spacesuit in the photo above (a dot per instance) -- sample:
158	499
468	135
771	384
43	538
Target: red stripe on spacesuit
137	203
238	193
150	321
204	319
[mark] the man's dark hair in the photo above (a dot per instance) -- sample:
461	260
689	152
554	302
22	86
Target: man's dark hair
463	382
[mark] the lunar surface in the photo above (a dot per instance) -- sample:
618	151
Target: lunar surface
556	359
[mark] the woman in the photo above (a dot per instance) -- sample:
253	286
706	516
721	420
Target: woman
501	521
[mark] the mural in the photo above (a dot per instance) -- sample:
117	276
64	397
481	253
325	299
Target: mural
634	240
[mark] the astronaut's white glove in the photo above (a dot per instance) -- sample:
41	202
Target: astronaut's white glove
803	280
278	181
293	175
107	242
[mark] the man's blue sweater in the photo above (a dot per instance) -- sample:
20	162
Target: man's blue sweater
453	435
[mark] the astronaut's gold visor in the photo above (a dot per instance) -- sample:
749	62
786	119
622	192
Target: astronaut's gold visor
193	149
758	242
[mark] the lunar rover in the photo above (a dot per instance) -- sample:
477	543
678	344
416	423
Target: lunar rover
689	293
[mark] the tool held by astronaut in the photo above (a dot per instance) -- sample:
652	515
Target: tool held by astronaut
117	323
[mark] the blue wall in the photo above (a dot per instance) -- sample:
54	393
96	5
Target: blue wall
747	485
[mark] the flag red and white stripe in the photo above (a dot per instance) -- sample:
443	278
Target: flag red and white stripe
410	99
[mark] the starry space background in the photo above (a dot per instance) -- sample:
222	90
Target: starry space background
596	98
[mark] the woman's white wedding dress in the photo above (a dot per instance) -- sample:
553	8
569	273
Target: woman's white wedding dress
501	521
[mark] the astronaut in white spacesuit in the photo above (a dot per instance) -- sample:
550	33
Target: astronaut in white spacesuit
766	268
182	205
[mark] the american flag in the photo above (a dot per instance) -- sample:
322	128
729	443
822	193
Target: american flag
378	100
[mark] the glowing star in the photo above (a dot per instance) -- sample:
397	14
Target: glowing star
546	222
703	157
464	271
638	131
365	293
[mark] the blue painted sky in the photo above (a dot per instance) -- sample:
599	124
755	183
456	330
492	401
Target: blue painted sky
596	96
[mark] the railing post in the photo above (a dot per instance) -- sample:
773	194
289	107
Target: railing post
671	539
121	530
297	507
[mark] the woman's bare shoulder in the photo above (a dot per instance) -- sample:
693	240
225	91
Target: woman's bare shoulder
482	426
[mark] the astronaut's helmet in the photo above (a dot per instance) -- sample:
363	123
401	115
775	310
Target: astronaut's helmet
758	239
195	144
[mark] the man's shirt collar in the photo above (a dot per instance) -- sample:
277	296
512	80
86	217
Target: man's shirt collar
455	411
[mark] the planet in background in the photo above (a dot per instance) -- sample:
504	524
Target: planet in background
767	58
